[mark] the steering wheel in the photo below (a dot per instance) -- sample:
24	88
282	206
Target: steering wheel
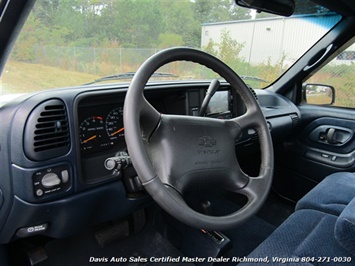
171	153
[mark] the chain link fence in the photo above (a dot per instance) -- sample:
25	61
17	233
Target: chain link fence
339	73
98	61
108	61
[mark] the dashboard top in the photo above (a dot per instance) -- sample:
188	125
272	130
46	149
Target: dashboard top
100	108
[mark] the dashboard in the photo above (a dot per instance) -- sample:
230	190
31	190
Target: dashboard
63	157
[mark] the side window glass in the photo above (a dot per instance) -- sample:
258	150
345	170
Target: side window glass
335	83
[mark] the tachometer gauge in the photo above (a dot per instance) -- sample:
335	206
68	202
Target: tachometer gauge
91	131
114	124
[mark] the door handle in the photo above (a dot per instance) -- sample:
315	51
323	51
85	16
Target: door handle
337	136
331	135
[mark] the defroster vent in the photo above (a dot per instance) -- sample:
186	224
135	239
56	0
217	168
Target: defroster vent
46	133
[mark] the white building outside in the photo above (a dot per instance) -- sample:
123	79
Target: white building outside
274	38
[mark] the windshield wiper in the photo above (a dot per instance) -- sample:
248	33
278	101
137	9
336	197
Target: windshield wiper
130	75
253	79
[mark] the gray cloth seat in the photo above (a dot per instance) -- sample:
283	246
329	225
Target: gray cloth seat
320	232
308	237
331	195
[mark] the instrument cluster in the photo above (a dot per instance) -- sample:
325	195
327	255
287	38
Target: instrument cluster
100	128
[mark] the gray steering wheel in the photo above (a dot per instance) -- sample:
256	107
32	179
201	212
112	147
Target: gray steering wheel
171	153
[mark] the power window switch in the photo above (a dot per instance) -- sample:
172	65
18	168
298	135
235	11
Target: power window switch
324	155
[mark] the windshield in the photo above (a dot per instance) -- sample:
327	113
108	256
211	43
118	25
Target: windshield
66	43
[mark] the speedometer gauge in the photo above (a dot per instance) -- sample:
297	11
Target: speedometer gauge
114	124
91	131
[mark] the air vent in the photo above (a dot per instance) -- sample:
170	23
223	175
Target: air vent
295	120
47	131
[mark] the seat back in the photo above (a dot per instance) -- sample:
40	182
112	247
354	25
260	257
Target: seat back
345	228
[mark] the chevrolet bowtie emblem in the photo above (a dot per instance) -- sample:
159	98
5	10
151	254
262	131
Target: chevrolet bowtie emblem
206	141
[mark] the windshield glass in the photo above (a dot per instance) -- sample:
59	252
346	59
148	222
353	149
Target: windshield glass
66	43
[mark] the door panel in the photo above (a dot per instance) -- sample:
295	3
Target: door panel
324	144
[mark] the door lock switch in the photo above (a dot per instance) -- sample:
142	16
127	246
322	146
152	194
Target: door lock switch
322	136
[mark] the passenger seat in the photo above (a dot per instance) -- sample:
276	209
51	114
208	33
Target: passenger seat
331	195
307	238
320	232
